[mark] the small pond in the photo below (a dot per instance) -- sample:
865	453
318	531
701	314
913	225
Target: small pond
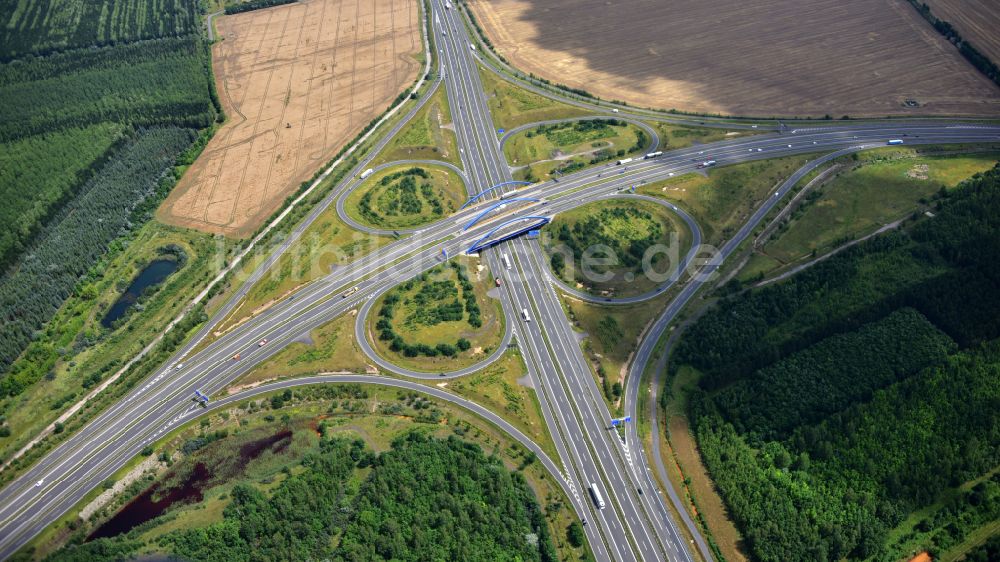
153	274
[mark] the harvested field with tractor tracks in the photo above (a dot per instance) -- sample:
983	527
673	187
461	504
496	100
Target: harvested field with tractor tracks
297	83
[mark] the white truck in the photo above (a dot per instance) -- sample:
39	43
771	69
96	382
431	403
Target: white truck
447	5
366	173
506	261
652	155
596	495
524	314
895	141
623	161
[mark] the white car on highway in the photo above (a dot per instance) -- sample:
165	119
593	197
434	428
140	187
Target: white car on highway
39	483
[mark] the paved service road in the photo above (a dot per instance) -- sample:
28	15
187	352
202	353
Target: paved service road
636	524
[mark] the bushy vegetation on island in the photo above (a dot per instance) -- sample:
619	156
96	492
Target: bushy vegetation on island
837	404
435	301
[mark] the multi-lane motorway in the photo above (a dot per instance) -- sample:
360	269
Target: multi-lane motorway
636	524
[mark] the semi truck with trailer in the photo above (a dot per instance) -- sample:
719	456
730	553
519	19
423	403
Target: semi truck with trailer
595	494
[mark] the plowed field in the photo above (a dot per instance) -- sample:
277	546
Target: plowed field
766	57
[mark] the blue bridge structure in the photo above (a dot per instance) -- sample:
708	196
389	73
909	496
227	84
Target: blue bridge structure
508	230
476	197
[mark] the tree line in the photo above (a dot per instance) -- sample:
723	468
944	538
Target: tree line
41	27
424	499
973	55
249	5
834	405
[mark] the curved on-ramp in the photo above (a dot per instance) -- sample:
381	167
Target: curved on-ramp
351	187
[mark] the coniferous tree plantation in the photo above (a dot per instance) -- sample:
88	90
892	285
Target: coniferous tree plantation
97	101
64	252
836	404
45	26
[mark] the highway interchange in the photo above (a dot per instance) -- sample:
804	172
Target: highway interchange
637	523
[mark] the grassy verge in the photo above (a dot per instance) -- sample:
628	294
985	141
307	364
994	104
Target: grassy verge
628	228
327	242
553	150
433	323
612	335
330	348
723	198
499	388
428	136
406	196
376	415
512	106
882	188
673	136
688	472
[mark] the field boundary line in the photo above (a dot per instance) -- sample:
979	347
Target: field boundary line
236	261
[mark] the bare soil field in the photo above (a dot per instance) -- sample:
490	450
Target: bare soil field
764	58
977	20
297	82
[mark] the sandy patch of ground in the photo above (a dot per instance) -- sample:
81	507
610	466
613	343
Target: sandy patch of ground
918	172
713	510
767	57
297	83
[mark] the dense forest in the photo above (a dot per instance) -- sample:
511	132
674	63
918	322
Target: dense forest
54	165
834	405
43	26
424	499
97	101
106	206
160	81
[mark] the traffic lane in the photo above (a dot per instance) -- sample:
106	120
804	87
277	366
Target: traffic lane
581	462
935	140
645	350
592	412
637	533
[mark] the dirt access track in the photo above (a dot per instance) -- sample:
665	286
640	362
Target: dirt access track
297	83
761	58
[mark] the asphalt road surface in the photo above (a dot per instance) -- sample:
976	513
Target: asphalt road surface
636	524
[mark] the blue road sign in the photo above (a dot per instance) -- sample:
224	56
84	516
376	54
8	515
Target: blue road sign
615	422
501	131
